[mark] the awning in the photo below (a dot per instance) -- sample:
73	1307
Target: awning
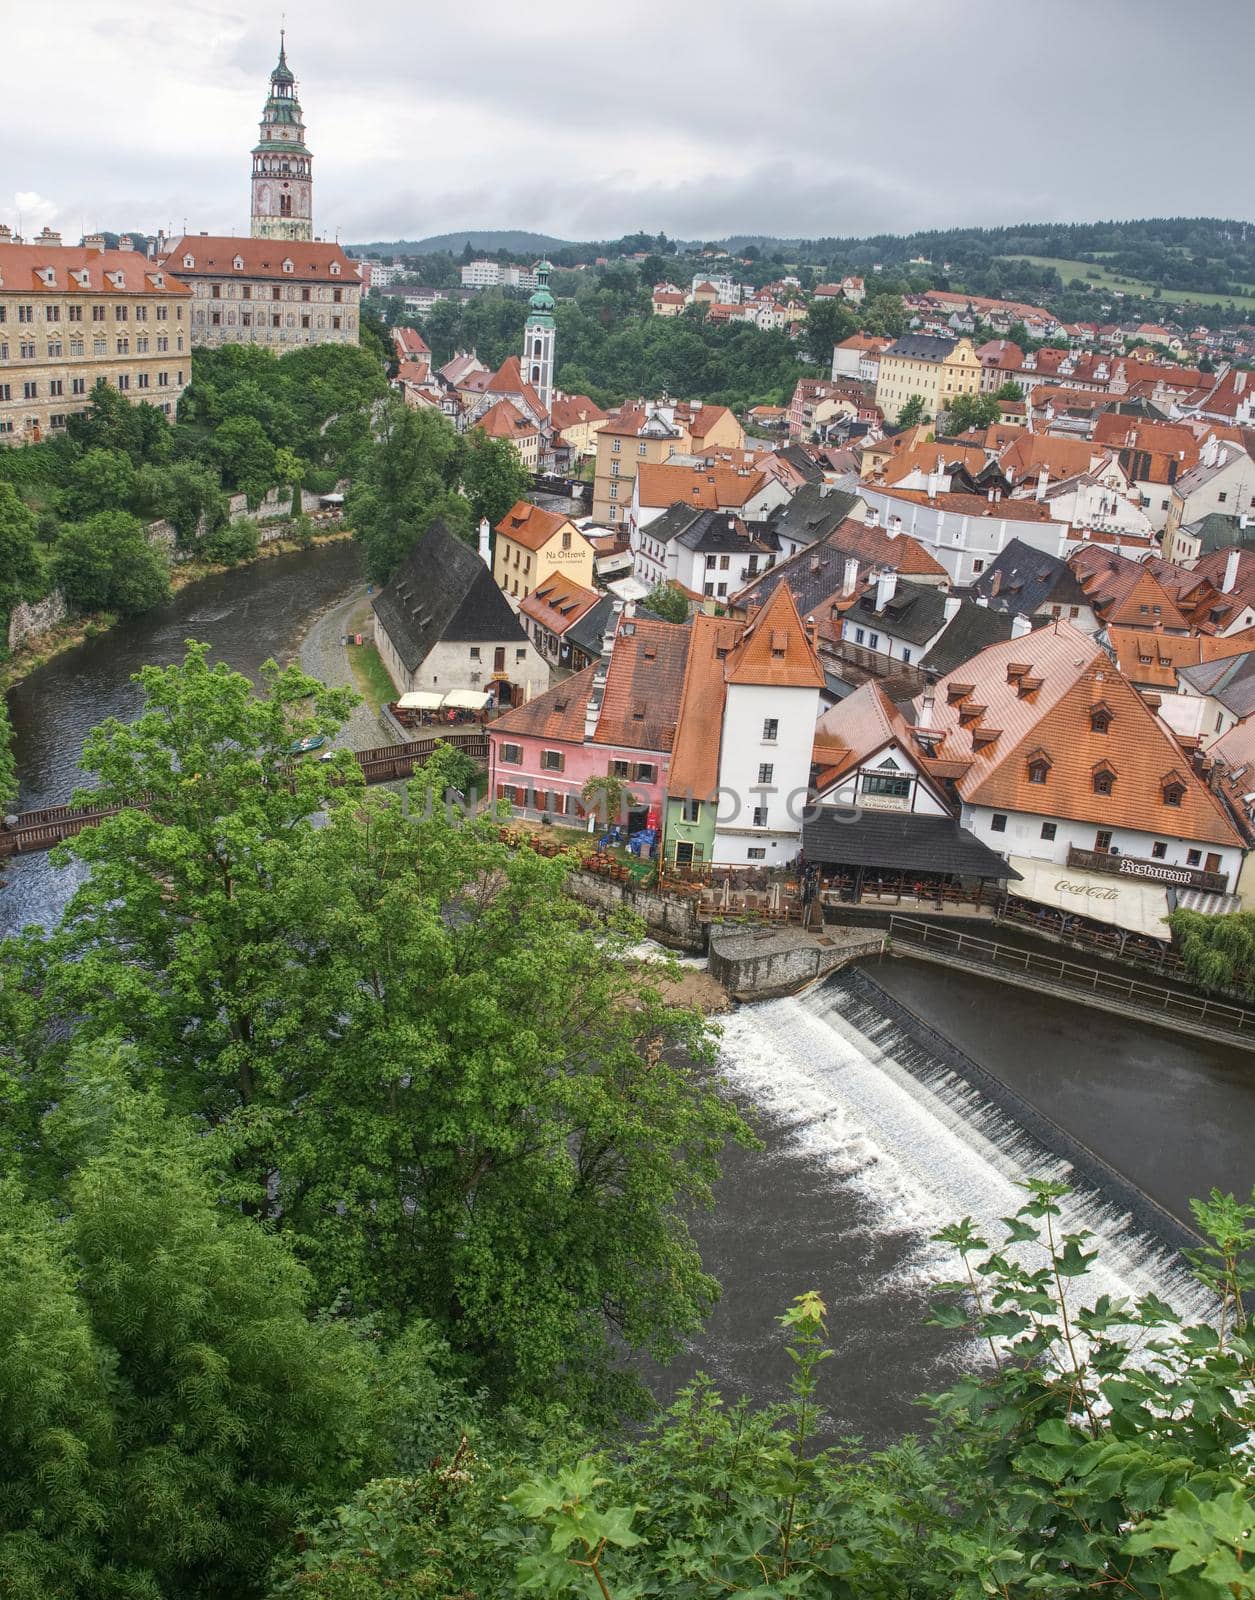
420	700
1206	902
465	700
1135	904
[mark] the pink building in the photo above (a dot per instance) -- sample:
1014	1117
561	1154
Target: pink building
617	717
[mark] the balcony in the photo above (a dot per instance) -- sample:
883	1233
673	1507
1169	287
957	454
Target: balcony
1164	872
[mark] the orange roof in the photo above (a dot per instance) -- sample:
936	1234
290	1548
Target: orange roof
215	255
1123	592
558	603
864	341
642	697
704	418
713	487
973	505
1132	433
506	421
775	649
1154	659
78	270
508	379
928	458
699	727
409	342
570	410
528	525
1072	675
1025	456
557	714
856	728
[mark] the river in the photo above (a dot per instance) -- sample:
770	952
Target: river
870	1145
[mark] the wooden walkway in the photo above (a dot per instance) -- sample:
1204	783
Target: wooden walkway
1087	986
42	830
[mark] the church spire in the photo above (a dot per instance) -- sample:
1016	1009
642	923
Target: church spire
283	176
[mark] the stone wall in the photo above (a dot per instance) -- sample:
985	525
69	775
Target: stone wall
671	922
754	963
31	620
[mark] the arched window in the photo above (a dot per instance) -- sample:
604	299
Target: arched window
535	374
536	347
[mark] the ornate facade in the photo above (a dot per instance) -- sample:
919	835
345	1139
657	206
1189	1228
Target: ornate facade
538	338
283	168
264	291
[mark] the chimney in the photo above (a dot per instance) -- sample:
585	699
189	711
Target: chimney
982	600
849	579
952	608
886	588
126	242
1020	625
93	241
934	485
872	519
485	543
49	236
6	233
1231	570
1211	450
1043	480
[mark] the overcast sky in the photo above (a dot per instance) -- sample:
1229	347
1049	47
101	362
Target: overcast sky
592	118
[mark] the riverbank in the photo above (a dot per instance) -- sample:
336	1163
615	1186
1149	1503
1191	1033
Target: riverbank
27	658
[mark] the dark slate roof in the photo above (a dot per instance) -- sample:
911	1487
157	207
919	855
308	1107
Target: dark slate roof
589	632
967	633
1028	579
812	514
801	461
1219	532
915	613
678	516
443	591
921	347
715	530
1231	681
899	841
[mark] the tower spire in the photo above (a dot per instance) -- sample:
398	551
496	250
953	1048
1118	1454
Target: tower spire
283	175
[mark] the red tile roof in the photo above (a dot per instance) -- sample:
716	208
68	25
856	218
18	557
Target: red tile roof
699	725
107	271
531	526
215	255
558	603
506	421
775	649
714	487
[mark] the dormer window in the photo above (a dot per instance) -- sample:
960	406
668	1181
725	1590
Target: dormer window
335	269
238	263
1172	786
1100	717
189	261
1039	769
288	265
1104	777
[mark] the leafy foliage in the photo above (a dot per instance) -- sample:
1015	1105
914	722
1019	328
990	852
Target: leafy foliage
971	411
107	564
408	481
667	600
1218	952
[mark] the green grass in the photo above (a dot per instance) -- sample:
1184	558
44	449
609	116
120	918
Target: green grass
371	676
1103	278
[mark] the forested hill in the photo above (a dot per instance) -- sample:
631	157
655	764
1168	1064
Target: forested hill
516	241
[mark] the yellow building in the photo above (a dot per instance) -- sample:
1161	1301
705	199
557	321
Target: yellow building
532	545
275	292
577	420
654	433
71	315
937	370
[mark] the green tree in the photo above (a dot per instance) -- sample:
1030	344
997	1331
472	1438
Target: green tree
407	481
8	764
667	600
107	564
100	480
21	570
972	411
914	411
493	476
112	422
171	1410
828	322
187	495
1010	390
608	797
246	456
289	469
1218	952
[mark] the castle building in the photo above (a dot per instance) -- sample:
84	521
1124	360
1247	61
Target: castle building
74	315
538	338
283	168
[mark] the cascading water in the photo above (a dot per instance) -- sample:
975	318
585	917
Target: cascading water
873	1143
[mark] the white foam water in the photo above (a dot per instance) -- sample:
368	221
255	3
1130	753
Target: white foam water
919	1146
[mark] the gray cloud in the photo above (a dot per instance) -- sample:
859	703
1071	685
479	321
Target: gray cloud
811	117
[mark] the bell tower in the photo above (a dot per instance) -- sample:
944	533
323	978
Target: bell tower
283	169
538	338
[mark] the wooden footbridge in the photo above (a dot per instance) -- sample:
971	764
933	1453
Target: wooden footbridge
1088	986
41	830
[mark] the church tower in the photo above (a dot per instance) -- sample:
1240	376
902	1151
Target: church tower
283	180
538	338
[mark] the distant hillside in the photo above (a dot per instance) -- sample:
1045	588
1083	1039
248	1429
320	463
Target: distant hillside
516	240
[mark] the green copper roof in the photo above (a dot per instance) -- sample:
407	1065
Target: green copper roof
540	306
282	73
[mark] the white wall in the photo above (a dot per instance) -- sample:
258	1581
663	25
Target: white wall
452	665
743	750
849	790
1022	837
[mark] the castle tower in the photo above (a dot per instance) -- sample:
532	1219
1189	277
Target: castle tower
538	338
283	169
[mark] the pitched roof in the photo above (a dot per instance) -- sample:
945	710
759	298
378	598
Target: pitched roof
215	255
1021	580
532	526
409	343
558	602
662	484
775	649
914	612
505	421
857	727
1037	693
972	629
79	270
921	347
570	410
1123	591
900	840
813	512
1231	681
642	697
508	379
816	574
699	725
971	505
557	714
443	591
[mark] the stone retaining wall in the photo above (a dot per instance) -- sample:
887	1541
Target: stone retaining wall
756	963
672	922
32	619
